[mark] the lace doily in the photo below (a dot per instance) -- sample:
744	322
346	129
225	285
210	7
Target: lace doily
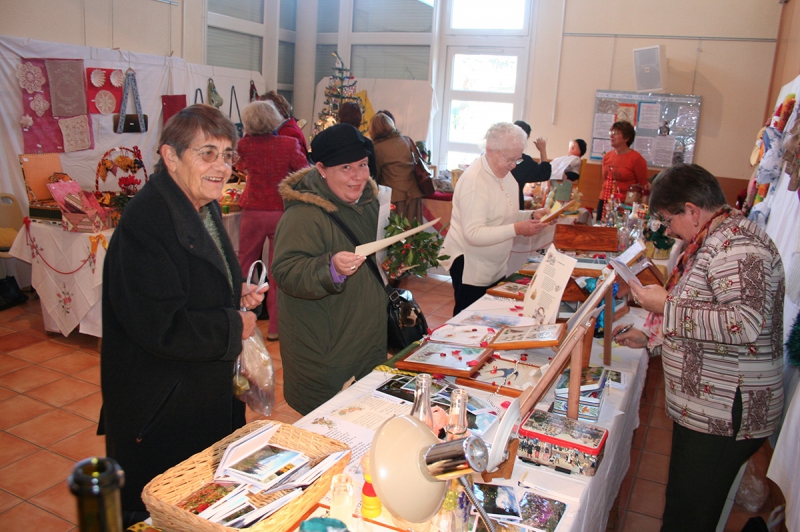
26	121
117	78
39	105
30	77
105	102
76	133
98	78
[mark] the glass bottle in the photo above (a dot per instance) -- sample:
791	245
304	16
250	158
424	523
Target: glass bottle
452	517
422	400
96	482
342	498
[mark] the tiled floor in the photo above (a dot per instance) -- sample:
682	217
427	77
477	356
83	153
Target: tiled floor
50	399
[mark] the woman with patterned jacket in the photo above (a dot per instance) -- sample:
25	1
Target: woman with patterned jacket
719	327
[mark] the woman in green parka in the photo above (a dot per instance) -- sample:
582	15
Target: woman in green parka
331	307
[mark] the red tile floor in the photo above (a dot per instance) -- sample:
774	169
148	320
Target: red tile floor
50	400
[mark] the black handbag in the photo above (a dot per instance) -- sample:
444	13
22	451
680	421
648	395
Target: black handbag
406	324
10	294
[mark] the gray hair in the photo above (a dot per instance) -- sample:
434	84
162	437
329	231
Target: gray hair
503	135
261	118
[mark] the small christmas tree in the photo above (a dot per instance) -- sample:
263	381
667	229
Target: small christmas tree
340	89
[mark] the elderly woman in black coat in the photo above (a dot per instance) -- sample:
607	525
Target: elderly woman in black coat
172	324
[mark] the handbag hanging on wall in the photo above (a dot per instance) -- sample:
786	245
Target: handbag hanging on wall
422	173
198	95
130	124
405	324
239	125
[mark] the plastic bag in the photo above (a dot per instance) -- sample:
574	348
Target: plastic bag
254	375
753	491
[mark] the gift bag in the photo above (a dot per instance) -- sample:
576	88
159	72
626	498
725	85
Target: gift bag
253	373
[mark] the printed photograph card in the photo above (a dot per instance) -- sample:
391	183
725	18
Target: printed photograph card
543	298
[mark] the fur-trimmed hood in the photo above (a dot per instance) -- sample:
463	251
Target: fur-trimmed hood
307	186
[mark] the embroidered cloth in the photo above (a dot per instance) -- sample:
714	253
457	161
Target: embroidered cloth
101	92
67	89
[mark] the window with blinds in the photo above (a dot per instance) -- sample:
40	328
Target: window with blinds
288	16
398	16
233	49
252	10
286	62
328	16
324	62
390	62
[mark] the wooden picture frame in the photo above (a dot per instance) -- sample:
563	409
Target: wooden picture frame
446	359
509	290
529	336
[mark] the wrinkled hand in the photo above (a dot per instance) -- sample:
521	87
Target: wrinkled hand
632	338
651	297
538	214
529	227
248	323
347	263
251	298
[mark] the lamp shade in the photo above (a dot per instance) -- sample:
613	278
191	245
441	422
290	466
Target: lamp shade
399	473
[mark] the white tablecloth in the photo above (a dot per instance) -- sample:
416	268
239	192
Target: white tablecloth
66	274
589	499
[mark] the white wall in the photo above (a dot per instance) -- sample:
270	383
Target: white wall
718	49
145	26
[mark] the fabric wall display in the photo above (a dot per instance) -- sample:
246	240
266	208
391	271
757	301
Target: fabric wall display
67	86
130	87
40	131
77	133
104	90
171	104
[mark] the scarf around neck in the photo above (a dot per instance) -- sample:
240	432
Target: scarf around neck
652	325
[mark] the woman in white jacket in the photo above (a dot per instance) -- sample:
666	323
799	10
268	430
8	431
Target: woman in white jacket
486	217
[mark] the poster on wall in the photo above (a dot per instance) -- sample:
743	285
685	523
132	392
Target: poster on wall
666	124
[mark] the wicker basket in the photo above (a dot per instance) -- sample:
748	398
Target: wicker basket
162	493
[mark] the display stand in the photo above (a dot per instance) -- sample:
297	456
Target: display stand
571	353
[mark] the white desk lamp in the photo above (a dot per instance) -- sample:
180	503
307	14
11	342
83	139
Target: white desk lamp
410	465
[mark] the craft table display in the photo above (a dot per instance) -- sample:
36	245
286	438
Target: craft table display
354	415
67	273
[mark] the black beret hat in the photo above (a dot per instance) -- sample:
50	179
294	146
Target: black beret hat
339	144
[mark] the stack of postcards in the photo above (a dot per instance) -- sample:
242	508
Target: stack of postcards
593	392
255	478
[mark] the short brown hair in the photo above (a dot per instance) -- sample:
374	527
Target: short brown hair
681	183
626	130
381	126
188	123
261	118
281	103
350	113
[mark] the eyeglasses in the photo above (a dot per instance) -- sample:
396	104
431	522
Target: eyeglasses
665	222
510	160
614	133
210	154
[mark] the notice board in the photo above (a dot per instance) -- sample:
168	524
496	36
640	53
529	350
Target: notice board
666	124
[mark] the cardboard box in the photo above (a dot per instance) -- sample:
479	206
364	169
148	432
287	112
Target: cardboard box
563	444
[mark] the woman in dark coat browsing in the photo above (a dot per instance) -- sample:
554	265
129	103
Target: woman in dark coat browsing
172	328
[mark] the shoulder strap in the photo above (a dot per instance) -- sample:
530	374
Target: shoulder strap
234	99
354	239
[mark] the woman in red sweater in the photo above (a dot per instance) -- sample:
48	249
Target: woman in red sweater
267	158
622	165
